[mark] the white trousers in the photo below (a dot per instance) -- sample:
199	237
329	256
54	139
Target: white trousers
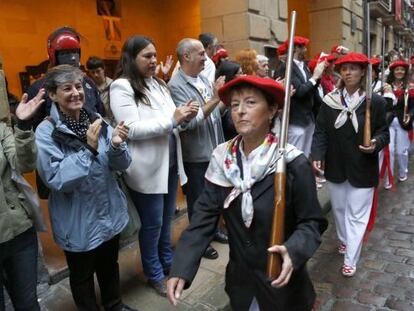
301	137
351	208
254	306
399	145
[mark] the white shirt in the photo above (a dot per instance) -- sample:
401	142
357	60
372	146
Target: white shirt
351	100
209	70
301	66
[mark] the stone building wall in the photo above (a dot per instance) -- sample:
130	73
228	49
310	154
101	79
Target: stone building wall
240	24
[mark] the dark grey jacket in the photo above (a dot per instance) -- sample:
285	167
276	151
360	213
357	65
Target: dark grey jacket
301	106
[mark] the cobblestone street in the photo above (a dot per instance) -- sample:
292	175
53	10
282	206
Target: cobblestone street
384	280
385	275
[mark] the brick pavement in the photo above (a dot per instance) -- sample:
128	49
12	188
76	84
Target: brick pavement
385	273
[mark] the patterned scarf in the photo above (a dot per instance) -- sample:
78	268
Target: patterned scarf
224	171
78	127
264	164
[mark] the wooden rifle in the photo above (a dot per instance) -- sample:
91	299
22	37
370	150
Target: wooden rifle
274	260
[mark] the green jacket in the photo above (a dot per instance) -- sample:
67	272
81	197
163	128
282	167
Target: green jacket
17	152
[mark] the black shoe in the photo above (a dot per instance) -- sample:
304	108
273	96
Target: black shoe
121	307
221	237
210	253
159	286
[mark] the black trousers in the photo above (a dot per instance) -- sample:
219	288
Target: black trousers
195	173
103	261
18	271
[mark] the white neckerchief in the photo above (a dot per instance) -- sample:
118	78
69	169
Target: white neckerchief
260	163
333	100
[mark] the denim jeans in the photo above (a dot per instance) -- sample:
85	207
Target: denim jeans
156	212
195	173
103	261
18	271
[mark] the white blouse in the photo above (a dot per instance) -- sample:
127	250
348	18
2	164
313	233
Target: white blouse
150	127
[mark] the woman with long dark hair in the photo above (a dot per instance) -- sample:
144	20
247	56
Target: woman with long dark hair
143	101
400	119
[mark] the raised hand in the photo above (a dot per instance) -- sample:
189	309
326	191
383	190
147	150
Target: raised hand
168	64
92	135
26	109
120	134
218	84
320	67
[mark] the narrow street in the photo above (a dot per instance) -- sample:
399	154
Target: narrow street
385	275
384	280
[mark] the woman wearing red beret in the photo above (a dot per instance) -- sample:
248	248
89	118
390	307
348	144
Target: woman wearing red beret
400	119
239	185
350	168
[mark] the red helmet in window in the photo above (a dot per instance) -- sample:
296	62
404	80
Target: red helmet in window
63	47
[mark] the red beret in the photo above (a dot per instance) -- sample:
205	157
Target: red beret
267	85
375	61
282	49
221	53
318	58
297	40
399	63
339	49
352	57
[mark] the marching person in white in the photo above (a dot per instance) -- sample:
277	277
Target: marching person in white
401	119
144	103
350	168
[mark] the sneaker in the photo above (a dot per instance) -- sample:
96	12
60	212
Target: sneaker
221	237
342	249
387	186
348	271
403	178
210	253
159	286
